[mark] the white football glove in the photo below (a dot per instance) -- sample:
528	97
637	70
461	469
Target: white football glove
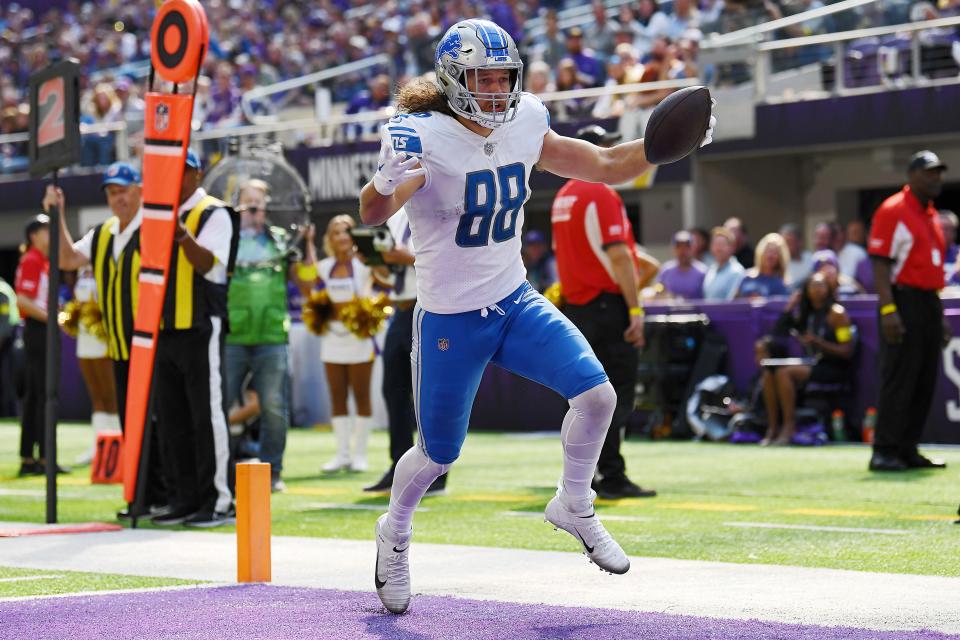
708	136
394	169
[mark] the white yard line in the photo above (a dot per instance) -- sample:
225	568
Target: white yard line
110	592
51	576
811	527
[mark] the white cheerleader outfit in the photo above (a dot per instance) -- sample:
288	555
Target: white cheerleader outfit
88	345
338	345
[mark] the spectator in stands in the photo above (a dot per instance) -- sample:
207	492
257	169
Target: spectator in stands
685	16
589	67
602	30
683	276
550	47
724	276
629	29
568	79
539	261
376	96
949	224
701	245
13	155
224	109
857	232
823	237
849	254
654	24
103	106
824	329
825	262
798	269
768	278
657	68
743	250
539	79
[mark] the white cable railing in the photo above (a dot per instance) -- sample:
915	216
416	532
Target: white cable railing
756	32
246	102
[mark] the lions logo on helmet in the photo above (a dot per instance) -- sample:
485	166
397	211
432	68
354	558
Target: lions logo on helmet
466	48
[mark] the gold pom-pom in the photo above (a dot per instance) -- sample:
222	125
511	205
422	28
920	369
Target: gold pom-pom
317	311
92	319
69	318
554	294
364	317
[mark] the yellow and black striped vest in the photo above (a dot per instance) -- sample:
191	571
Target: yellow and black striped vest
191	298
117	286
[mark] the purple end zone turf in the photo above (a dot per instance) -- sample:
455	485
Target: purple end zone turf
265	613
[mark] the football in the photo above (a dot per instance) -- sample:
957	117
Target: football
677	125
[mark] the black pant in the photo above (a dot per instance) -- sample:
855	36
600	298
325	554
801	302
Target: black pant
34	388
603	321
156	492
908	372
191	416
398	383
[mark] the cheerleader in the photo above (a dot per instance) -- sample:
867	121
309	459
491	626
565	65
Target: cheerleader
95	365
348	360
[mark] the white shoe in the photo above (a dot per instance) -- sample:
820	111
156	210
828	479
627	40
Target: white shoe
359	465
586	527
85	458
336	464
392	572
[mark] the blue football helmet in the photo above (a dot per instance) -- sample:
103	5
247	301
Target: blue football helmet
468	47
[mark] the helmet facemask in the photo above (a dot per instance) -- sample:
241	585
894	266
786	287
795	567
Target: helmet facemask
502	107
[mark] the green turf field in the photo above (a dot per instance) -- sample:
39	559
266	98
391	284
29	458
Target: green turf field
34	582
791	506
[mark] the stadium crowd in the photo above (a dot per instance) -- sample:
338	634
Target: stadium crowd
258	43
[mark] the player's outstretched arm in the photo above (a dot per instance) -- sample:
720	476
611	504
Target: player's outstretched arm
572	158
398	177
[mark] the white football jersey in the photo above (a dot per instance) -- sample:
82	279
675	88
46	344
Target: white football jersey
467	219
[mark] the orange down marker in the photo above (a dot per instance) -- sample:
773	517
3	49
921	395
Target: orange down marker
253	522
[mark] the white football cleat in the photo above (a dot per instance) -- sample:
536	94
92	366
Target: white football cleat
392	572
586	527
337	464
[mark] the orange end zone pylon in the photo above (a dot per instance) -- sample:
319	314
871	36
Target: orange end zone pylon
179	41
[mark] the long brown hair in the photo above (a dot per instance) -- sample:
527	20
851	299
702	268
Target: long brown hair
422	95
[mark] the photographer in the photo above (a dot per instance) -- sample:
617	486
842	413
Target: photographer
259	321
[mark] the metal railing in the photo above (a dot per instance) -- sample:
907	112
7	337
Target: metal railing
869	60
336	128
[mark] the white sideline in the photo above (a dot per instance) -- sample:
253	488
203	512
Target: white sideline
795	595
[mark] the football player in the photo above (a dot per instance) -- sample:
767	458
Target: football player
458	158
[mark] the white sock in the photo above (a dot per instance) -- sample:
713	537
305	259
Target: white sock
414	474
98	420
582	434
359	439
112	423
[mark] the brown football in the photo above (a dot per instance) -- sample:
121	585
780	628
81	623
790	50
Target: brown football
676	127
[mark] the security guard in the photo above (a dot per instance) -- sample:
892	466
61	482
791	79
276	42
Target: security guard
112	248
599	276
190	399
907	249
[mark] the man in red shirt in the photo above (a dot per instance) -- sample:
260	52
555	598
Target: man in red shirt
597	265
31	287
907	251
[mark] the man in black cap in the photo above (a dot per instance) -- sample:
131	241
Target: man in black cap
32	282
907	250
598	268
